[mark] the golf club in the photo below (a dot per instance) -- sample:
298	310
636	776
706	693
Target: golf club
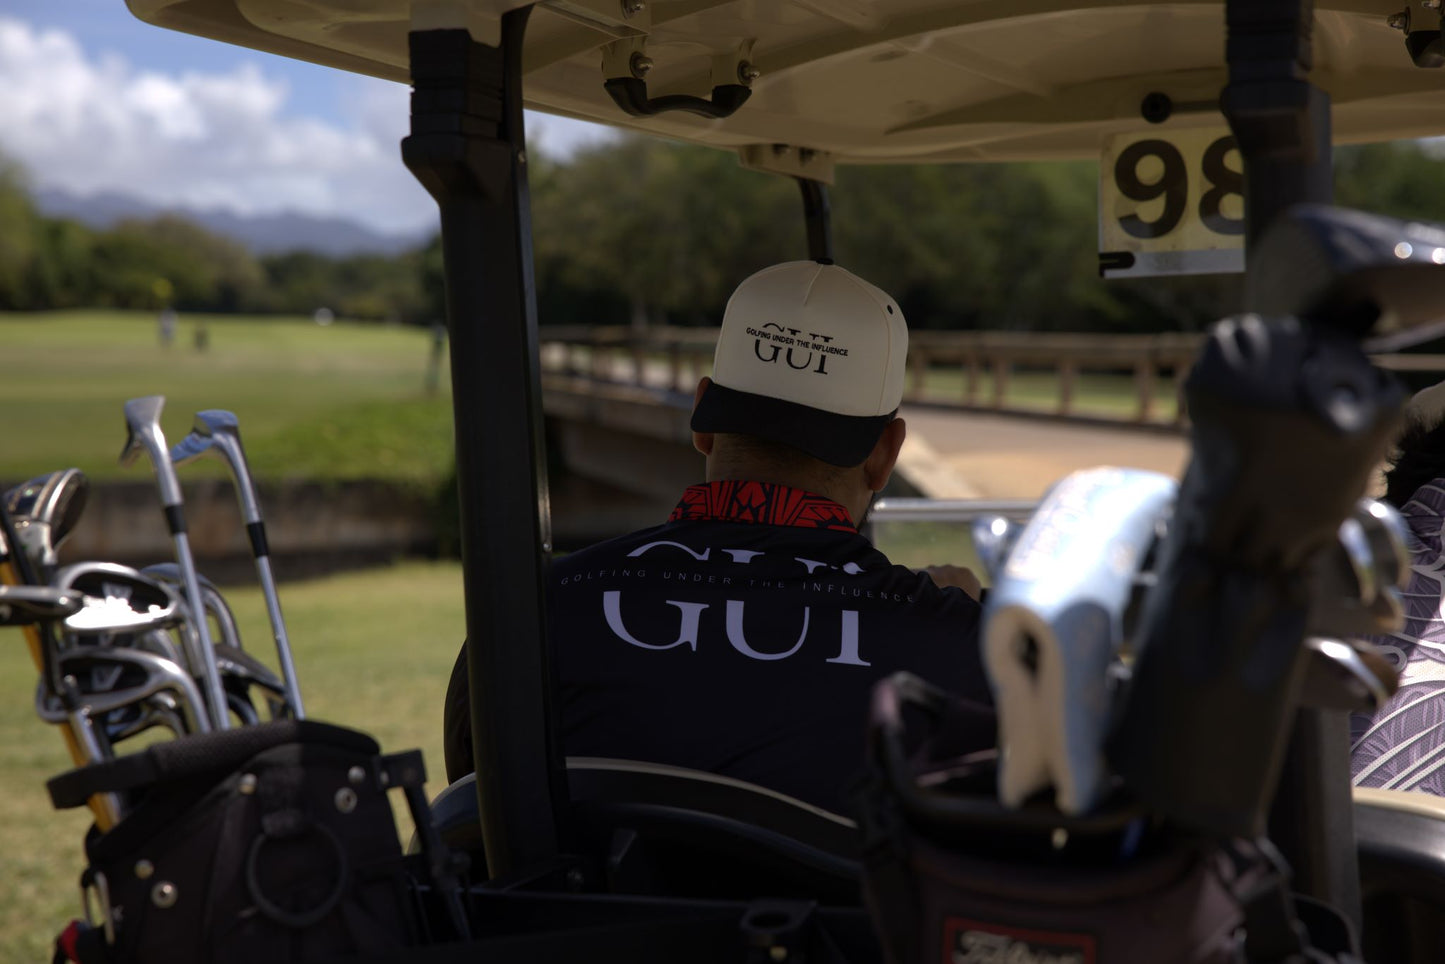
79	733
128	678
142	419
218	431
27	605
44	511
216	605
117	599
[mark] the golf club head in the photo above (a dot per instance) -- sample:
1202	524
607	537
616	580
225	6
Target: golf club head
45	509
1053	626
143	432
993	537
118	599
108	679
1349	270
217	421
1389	537
246	679
1339	677
211	598
27	605
159	709
1359	581
190	448
223	430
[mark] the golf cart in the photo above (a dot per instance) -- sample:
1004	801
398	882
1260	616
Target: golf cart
575	851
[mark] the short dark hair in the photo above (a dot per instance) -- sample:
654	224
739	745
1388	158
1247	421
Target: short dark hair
1418	460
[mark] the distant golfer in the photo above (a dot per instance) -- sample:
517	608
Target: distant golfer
167	326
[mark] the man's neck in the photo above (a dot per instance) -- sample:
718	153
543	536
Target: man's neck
845	495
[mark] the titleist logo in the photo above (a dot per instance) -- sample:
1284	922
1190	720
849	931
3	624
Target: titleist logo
981	947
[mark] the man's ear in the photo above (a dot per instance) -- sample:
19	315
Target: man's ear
702	441
879	466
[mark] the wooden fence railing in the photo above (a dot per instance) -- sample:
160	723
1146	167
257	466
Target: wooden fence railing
674	358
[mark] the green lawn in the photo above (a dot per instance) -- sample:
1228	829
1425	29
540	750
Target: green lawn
1096	394
342	401
373	651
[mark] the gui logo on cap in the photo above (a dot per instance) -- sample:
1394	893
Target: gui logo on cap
773	341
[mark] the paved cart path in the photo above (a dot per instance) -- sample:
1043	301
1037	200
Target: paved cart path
1001	456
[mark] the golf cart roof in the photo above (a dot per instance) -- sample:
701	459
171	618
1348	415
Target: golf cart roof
868	81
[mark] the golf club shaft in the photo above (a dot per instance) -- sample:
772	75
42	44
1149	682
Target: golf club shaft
221	429
211	675
142	418
278	627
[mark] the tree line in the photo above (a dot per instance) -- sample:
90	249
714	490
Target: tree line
641	231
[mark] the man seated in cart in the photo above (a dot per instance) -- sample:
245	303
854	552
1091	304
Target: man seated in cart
743	636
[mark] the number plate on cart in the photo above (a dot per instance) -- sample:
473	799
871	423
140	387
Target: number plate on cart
1171	203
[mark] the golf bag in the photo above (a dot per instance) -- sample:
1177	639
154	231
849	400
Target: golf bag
952	875
273	842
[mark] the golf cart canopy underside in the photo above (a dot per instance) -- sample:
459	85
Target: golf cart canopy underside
868	81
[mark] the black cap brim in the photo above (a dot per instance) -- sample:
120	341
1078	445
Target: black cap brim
844	440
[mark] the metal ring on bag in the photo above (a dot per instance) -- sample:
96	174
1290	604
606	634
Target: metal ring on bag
291	918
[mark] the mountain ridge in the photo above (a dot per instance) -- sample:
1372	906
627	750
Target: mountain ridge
261	234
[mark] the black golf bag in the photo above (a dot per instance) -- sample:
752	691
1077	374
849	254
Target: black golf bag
951	875
266	843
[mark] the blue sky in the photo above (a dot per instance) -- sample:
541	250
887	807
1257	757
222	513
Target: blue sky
92	99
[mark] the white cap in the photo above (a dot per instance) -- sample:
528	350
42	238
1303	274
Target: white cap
809	355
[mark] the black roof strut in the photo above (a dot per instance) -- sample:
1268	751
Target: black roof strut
466	147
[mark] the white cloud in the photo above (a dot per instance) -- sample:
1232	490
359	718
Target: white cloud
216	139
219	139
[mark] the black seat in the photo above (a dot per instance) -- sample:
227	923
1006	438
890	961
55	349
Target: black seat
652	829
1401	839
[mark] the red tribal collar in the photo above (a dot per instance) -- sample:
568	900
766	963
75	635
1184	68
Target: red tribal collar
764	503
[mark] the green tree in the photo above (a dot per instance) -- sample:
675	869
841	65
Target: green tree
19	225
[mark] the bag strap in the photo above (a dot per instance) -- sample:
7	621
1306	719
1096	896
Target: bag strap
195	756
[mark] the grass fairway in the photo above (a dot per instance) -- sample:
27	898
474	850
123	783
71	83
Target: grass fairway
373	651
342	401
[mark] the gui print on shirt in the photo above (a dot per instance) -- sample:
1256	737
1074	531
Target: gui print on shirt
1403	746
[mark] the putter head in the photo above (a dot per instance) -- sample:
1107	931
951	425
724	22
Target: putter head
45	510
142	423
1349	270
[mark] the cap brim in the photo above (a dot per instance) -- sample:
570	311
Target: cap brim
844	440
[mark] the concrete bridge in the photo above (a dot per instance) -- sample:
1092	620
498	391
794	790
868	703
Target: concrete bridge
627	453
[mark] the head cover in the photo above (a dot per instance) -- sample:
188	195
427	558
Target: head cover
811	356
1427	407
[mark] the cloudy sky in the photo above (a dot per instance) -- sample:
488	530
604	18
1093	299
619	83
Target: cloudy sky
92	99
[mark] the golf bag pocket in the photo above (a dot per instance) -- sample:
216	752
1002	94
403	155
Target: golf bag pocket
952	875
269	843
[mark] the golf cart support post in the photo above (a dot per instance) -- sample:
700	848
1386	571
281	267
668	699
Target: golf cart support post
466	147
1282	125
